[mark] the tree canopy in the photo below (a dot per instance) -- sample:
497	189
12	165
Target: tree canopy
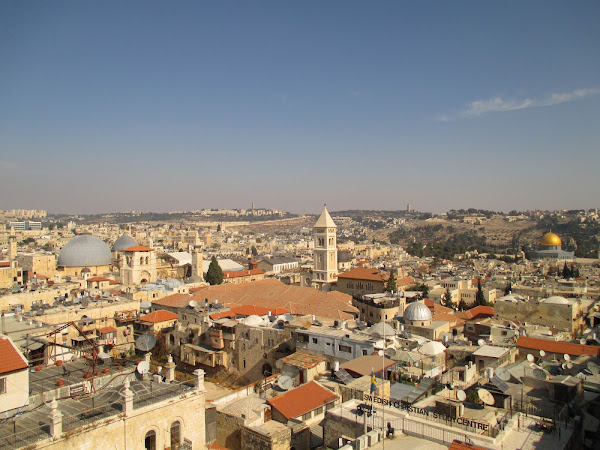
215	273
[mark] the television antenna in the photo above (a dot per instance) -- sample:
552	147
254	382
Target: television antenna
285	382
486	397
145	342
503	373
143	368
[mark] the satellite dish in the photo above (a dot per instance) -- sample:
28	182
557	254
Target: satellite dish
375	336
390	352
103	356
85	303
143	367
593	367
279	364
503	374
563	365
145	305
542	353
380	352
567	357
486	397
193	304
461	396
582	341
539	374
530	358
285	382
307	324
159	369
145	342
569	365
481	342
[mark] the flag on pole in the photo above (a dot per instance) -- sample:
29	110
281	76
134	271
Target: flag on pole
373	381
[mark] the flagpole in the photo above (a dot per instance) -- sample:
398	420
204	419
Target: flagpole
383	390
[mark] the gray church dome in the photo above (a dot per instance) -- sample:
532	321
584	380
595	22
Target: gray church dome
417	312
125	241
85	250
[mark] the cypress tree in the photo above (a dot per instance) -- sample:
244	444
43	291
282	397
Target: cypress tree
215	273
391	284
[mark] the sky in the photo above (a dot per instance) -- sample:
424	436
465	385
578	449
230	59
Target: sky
170	106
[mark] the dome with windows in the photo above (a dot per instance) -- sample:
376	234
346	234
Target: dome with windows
417	312
85	250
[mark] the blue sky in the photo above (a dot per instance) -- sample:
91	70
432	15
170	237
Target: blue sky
159	106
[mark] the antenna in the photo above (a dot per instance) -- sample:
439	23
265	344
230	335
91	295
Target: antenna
461	396
542	353
143	367
503	373
486	397
145	342
104	356
285	382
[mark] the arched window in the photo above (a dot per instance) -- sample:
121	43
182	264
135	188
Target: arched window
150	440
175	435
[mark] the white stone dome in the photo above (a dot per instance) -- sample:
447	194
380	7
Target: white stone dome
382	329
253	321
125	241
558	300
85	250
417	312
508	298
432	348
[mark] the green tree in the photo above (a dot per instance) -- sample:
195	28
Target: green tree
391	283
479	297
566	273
254	251
462	305
508	288
447	300
215	273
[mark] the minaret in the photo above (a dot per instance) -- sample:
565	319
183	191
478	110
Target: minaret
197	268
325	252
12	248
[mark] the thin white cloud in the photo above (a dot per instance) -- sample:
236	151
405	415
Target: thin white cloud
479	108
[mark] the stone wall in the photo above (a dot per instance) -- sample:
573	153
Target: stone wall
253	439
336	427
229	431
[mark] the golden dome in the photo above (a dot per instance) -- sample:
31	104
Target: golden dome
551	239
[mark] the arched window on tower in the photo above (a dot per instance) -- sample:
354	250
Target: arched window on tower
175	435
150	440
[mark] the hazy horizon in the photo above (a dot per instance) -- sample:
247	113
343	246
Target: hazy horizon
155	106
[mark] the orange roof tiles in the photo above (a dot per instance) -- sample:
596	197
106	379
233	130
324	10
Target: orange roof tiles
138	248
363	274
479	312
248	310
241	273
174	300
158	316
272	294
302	400
107	330
557	347
95	279
11	359
5	264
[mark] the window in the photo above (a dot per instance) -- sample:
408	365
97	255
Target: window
315	340
150	440
175	435
306	416
364	352
329	406
359	285
345	348
319	410
3	385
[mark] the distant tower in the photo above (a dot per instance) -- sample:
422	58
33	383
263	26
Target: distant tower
197	267
408	208
252	208
325	252
12	248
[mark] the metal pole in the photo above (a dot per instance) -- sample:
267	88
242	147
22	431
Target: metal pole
383	391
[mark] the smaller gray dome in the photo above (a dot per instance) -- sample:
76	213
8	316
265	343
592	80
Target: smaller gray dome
344	256
194	279
125	241
558	300
417	312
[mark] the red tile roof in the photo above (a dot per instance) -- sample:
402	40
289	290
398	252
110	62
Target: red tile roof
11	359
363	274
248	310
158	316
557	347
107	330
302	400
479	312
5	264
241	273
138	248
95	279
272	293
174	300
